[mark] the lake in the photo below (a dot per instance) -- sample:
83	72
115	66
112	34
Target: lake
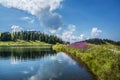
36	63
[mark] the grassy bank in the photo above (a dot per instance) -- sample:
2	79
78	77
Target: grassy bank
23	43
103	60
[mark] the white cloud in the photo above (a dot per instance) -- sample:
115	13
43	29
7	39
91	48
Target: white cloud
28	19
72	27
95	32
55	31
68	35
32	6
16	28
81	37
43	9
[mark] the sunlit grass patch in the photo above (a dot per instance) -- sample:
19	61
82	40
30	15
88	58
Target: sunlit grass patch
23	43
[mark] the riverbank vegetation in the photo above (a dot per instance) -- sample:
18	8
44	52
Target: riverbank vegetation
103	60
23	43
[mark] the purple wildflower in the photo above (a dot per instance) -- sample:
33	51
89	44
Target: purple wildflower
80	45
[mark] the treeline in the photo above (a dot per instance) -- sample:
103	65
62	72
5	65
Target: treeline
102	41
30	35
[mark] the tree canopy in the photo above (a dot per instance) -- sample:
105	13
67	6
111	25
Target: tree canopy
102	41
30	35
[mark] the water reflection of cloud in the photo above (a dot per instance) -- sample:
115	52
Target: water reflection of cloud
31	68
53	67
72	63
15	60
53	58
25	72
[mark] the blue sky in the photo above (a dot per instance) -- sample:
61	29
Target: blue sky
72	20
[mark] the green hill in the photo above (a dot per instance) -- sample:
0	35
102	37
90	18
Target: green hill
102	41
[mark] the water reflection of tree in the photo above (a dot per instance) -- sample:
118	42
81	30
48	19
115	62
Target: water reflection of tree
25	53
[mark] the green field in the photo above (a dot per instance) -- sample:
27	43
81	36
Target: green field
23	43
102	60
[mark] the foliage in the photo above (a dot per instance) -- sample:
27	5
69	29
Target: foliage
112	42
102	41
5	36
30	36
103	62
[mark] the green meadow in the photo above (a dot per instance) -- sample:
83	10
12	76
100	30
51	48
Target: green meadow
23	43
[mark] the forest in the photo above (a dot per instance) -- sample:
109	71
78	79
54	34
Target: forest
102	41
30	36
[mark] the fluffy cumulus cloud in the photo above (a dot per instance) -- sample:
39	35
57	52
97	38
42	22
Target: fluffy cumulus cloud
95	32
68	35
43	9
16	28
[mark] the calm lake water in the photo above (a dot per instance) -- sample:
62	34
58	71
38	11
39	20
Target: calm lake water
35	63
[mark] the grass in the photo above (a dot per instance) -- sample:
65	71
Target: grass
23	43
103	62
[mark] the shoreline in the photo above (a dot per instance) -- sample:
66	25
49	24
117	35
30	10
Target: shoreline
22	43
101	61
80	62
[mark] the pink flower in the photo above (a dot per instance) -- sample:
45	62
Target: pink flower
80	45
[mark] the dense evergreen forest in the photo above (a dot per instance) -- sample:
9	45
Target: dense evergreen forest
30	36
102	41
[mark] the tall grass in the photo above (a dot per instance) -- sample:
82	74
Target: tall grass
99	58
